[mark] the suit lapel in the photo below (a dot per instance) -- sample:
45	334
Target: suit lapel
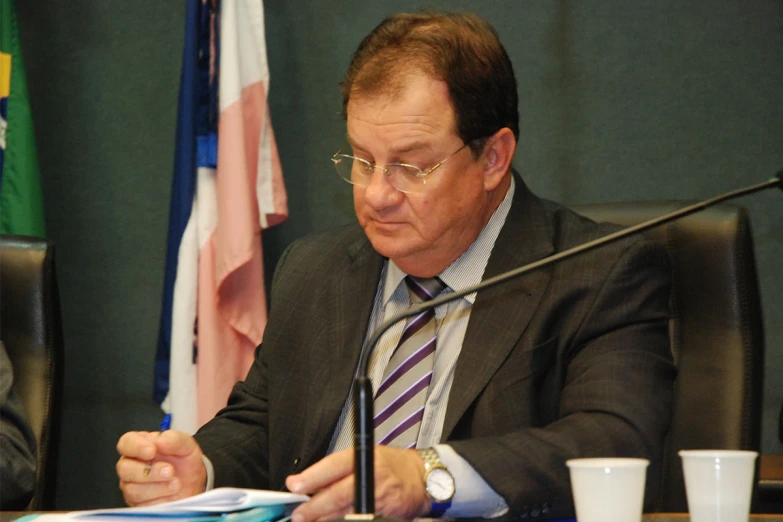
501	314
497	321
353	288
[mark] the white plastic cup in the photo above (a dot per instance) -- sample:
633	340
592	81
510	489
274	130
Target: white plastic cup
718	484
608	489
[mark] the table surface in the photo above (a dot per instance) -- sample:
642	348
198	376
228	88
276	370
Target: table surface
9	516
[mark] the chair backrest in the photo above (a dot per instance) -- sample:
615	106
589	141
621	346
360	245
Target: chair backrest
716	330
31	329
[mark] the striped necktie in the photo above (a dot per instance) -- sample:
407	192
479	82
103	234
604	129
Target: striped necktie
399	402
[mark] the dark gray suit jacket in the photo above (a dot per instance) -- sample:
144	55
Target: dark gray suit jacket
18	446
569	361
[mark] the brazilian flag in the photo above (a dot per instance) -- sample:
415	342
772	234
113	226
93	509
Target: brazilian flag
21	202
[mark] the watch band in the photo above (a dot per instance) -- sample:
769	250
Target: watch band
431	459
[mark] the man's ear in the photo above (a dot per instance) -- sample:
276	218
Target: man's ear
497	156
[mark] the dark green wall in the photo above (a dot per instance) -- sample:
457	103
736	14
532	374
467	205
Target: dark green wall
619	101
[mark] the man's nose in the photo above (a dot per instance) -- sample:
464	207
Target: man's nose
379	192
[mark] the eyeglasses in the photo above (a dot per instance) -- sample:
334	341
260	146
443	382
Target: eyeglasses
402	176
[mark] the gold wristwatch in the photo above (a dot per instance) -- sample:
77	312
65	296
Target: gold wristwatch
438	482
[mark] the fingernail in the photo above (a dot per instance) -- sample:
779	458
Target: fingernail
296	487
296	517
166	472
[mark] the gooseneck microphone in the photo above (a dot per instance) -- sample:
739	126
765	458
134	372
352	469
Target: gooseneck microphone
364	479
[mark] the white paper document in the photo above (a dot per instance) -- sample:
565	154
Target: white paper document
266	505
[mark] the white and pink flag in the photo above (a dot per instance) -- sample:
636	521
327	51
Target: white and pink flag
219	300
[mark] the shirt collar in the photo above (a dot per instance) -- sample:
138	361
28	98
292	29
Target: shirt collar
468	269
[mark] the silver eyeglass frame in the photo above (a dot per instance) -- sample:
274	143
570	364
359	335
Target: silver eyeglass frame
417	173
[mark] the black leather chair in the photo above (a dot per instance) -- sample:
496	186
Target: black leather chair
30	327
716	331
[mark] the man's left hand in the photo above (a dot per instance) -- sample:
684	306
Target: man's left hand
399	485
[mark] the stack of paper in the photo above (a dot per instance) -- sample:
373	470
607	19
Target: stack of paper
226	504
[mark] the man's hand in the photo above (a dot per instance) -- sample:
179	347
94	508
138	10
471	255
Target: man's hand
399	485
159	466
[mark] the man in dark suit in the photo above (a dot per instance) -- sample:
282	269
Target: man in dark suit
18	446
569	361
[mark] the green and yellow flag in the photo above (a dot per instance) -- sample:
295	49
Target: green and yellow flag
21	202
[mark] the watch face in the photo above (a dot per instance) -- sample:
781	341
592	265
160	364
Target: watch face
440	485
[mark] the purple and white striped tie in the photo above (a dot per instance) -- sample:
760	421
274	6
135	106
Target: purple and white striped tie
399	401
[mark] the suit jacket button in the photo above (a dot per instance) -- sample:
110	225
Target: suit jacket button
524	513
545	509
535	512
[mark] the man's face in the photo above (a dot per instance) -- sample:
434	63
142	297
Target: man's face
423	232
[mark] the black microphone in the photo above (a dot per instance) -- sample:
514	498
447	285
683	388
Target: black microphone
364	478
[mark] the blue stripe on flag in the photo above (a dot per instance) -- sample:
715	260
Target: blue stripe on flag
183	185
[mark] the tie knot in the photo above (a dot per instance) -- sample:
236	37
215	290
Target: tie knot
424	289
